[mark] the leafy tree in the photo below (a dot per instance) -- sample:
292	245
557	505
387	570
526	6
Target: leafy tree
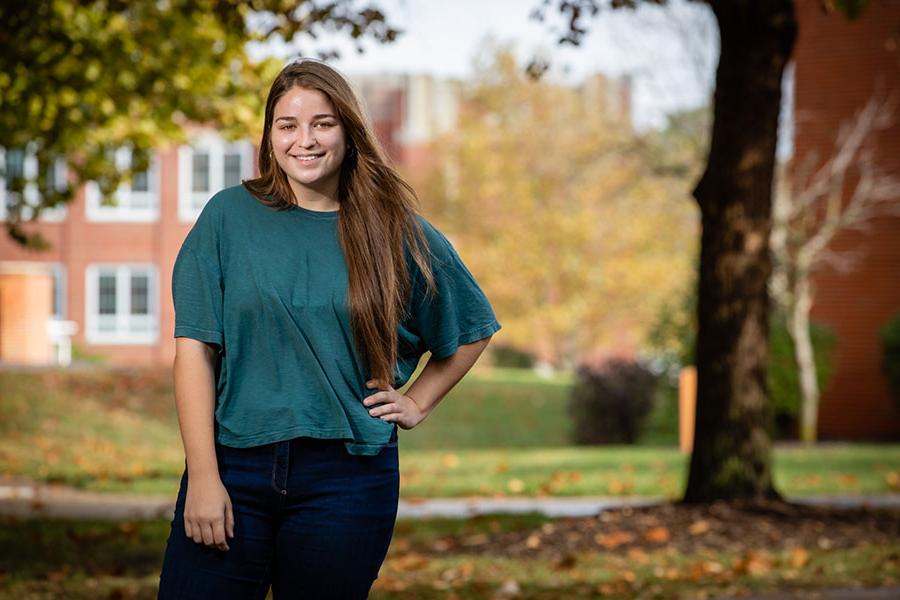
81	79
578	239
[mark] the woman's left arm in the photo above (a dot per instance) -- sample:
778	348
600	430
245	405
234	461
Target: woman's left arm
436	379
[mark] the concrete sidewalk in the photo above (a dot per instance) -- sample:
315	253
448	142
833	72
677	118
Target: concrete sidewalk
25	499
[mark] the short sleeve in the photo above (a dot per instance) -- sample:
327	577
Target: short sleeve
459	312
197	283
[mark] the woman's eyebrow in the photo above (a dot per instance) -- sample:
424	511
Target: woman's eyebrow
318	116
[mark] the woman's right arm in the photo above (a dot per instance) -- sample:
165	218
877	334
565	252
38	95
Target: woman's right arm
207	513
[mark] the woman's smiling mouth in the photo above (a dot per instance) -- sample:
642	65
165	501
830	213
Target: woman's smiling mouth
309	158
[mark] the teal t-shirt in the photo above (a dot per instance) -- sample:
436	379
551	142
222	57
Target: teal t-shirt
269	288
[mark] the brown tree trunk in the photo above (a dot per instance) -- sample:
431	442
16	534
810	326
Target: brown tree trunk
731	456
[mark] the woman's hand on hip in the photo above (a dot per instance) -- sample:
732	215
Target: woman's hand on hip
395	407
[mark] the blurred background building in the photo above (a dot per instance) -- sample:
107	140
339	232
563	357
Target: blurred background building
838	66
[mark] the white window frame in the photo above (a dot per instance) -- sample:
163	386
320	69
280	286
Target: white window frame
124	211
124	334
190	203
31	192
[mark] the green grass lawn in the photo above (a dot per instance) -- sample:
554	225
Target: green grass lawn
502	432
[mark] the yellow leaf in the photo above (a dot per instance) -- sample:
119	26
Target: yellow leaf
799	557
698	527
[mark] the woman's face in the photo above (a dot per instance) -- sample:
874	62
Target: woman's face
308	141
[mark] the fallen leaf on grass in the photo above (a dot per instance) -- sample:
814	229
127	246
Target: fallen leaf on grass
620	487
799	557
612	589
613	539
638	555
658	534
698	527
701	569
515	485
409	562
753	562
389	584
444	543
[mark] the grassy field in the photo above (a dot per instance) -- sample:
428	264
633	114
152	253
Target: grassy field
502	432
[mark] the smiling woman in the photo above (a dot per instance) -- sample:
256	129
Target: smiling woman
303	299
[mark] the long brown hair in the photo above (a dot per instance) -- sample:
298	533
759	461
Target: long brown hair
376	222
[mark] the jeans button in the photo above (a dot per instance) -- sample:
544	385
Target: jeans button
284	492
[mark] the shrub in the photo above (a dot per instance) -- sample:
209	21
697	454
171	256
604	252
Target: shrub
609	404
661	426
508	356
890	360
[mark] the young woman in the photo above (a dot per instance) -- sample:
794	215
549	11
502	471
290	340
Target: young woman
303	299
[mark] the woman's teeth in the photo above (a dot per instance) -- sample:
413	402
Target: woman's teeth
309	158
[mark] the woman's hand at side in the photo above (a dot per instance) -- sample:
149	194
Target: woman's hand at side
395	407
208	515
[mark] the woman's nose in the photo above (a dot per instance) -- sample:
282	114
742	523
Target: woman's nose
306	138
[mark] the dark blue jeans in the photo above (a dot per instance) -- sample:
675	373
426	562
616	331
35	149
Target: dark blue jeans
310	519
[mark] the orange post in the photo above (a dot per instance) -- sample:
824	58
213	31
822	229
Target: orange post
687	407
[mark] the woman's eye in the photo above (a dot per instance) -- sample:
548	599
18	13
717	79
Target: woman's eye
287	127
325	124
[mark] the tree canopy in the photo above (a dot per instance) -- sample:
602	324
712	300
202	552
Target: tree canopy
79	80
579	227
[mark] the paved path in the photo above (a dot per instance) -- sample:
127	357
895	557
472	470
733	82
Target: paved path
25	499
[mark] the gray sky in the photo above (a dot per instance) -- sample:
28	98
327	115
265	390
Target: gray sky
669	52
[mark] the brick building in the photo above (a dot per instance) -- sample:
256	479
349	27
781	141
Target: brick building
838	65
105	284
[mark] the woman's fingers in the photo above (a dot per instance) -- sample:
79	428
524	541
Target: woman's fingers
206	529
229	520
218	529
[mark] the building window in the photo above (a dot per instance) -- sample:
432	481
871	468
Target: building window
59	291
122	305
20	166
208	165
137	201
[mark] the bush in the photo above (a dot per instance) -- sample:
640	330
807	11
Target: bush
609	404
507	356
890	360
784	377
661	426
